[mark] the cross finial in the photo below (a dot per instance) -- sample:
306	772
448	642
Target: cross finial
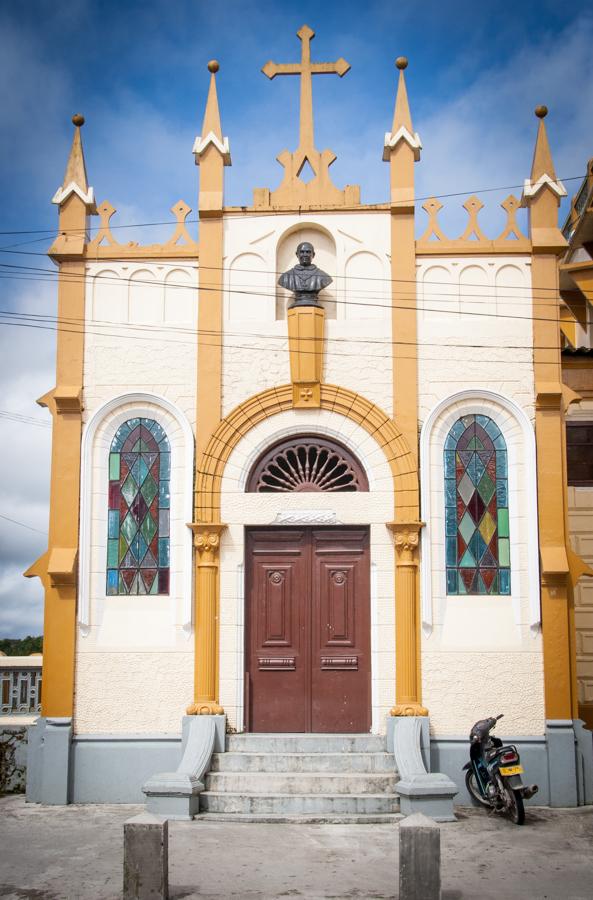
306	69
295	191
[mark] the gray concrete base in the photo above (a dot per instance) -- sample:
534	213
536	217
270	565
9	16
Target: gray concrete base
419	859
49	761
146	858
430	794
176	794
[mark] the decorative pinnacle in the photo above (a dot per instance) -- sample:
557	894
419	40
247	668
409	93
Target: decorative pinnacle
541	112
213	66
402	62
78	120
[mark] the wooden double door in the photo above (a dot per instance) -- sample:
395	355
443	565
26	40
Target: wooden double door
308	630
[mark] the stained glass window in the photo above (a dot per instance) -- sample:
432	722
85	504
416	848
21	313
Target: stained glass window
139	505
477	540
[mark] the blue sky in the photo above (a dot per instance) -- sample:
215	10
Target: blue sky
137	71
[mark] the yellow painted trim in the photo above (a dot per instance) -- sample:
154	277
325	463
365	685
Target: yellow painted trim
268	403
306	349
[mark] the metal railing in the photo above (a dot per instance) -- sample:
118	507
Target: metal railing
20	685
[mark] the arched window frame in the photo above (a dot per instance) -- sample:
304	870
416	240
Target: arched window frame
310	440
519	436
101	429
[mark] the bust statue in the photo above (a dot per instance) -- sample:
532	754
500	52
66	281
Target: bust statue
305	280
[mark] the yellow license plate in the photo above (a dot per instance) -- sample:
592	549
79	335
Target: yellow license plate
511	770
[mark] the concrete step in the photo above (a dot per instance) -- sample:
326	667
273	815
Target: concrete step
239	761
322	819
267	783
306	743
299	804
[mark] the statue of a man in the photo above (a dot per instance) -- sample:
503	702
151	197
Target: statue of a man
305	280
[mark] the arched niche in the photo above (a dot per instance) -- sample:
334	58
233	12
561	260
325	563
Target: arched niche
181	296
145	297
325	258
109	297
248	292
367	288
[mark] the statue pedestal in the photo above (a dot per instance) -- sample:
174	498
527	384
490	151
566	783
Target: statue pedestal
305	341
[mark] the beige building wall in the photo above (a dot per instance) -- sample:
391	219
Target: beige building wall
134	655
480	655
580	521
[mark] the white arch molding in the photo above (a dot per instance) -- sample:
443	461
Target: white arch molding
436	427
112	414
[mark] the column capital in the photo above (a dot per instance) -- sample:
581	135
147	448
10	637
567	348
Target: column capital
207	541
406	537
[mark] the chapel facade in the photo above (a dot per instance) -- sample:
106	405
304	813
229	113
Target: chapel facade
316	518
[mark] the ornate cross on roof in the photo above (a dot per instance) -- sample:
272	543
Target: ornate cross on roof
294	191
306	69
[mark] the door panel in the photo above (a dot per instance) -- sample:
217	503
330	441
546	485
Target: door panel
308	630
340	676
277	658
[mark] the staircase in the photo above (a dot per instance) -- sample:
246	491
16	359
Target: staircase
306	778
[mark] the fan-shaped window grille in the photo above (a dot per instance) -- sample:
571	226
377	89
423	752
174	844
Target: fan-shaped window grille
307	463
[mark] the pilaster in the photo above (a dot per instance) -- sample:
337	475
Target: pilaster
207	546
541	195
57	568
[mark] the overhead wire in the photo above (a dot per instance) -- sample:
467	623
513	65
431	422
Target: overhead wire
238	209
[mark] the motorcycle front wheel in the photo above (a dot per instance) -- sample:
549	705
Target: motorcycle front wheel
473	789
514	805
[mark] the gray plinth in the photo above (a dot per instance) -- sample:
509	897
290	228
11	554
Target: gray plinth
177	794
56	744
419	859
562	762
428	793
146	858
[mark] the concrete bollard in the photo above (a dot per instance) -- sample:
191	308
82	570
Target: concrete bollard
419	859
146	858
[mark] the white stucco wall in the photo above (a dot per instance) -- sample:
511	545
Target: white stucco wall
134	654
480	655
354	249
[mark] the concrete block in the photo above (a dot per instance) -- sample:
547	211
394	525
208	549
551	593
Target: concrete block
419	859
584	762
562	762
430	794
55	764
146	858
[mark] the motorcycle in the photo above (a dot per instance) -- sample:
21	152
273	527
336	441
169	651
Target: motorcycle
493	774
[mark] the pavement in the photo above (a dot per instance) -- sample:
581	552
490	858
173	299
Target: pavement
72	852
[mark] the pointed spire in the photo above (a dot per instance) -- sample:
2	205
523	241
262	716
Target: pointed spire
212	112
76	169
401	113
211	127
542	168
401	130
542	157
75	178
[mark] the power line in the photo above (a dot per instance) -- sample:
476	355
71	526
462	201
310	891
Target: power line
232	210
519	292
23	420
23	525
225	270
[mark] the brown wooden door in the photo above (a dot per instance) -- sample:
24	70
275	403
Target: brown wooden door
308	630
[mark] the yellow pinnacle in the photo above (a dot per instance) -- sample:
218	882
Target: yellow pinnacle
212	112
306	69
401	113
75	168
542	157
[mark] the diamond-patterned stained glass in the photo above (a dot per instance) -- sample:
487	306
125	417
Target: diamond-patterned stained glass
477	541
138	515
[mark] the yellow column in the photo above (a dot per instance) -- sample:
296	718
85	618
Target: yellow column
407	632
211	154
207	544
548	243
401	151
57	568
